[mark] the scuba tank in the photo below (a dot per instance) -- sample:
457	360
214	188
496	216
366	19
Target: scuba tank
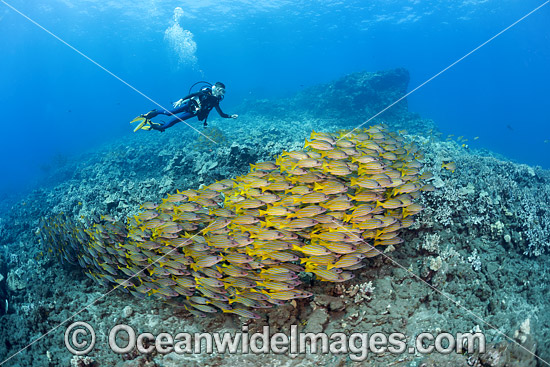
200	82
195	103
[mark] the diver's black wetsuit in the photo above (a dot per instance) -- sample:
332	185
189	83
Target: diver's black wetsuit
196	104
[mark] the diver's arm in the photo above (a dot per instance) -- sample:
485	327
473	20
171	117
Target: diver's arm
179	107
224	115
193	95
221	113
179	104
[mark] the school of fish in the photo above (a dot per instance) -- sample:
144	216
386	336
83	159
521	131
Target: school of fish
239	245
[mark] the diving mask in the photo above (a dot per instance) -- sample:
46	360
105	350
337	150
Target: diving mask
218	91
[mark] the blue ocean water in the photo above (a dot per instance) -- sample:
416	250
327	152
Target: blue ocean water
56	103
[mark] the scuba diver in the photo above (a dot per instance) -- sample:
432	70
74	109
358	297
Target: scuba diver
195	104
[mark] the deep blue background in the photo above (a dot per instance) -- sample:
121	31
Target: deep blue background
56	103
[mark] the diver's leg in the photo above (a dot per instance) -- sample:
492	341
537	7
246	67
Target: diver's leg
183	108
151	114
154	113
172	122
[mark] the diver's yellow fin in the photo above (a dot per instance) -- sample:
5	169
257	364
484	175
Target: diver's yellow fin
143	125
139	118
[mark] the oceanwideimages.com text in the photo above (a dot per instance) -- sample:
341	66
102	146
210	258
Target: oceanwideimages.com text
80	339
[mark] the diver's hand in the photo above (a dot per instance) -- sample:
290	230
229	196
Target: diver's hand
178	103
234	116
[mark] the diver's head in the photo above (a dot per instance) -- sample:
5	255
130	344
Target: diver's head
218	89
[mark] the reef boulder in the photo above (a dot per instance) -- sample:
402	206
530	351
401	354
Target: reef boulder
357	96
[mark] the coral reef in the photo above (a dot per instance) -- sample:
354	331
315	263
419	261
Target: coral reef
482	206
4	304
355	97
366	93
79	361
357	292
210	137
506	200
326	207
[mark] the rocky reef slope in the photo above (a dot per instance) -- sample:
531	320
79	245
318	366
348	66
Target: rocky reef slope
475	260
